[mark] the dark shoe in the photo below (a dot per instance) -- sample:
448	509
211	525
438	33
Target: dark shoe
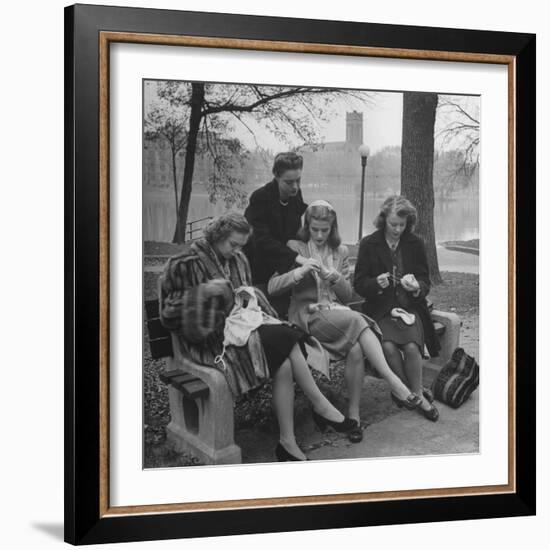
412	401
355	435
284	456
428	395
345	426
431	414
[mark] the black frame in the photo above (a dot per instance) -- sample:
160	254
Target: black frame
83	523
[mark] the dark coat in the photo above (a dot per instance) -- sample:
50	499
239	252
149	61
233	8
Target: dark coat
373	259
273	226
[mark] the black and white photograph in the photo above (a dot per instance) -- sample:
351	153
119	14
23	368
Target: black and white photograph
310	273
275	275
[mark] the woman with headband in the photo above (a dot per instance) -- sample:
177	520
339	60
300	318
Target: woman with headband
392	275
318	305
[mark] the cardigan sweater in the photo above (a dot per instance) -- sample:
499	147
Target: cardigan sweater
373	259
304	292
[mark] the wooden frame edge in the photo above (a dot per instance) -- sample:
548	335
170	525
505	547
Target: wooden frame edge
105	39
512	356
316	500
104	258
300	47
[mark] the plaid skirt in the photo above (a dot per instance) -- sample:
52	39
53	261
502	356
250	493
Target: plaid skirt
338	330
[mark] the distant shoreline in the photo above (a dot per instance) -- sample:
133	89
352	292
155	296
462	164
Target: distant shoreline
468	247
165	250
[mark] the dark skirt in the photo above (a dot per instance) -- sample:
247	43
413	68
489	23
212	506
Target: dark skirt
278	341
396	331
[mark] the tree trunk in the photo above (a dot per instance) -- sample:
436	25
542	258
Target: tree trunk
417	161
175	181
197	102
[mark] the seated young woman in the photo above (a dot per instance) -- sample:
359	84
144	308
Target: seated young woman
320	291
392	275
214	266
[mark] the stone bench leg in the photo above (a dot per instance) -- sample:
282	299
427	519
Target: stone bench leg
203	426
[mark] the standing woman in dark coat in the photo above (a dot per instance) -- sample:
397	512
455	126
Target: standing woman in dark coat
392	275
274	212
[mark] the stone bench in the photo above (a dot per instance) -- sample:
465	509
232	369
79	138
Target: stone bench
201	403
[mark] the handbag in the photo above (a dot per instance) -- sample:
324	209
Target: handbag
457	380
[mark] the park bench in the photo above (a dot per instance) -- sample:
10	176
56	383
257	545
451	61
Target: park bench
201	403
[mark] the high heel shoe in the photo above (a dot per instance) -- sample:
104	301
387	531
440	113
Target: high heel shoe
355	435
411	402
431	414
428	395
345	426
284	456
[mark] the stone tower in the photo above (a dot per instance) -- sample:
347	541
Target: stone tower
354	128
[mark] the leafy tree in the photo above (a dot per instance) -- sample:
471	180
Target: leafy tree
210	113
166	123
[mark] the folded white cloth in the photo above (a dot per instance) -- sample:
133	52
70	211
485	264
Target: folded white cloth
405	316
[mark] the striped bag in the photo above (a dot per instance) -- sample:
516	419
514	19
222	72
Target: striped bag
457	379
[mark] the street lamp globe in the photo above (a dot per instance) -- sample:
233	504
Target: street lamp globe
364	150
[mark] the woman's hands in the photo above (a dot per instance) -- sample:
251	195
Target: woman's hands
409	283
302	261
308	265
383	280
330	275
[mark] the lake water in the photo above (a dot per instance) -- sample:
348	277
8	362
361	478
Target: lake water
455	219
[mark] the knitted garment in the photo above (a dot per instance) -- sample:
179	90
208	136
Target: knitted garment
246	367
245	317
326	297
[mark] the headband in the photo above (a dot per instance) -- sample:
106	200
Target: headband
321	202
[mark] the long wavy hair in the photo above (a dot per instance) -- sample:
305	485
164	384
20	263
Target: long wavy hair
399	206
324	213
221	227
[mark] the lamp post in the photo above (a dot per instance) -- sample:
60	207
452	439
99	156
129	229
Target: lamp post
364	151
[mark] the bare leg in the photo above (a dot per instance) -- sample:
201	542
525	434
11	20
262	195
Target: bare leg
354	374
283	403
305	380
413	368
395	360
373	352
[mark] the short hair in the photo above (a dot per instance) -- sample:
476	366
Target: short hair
399	206
221	227
287	161
320	213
